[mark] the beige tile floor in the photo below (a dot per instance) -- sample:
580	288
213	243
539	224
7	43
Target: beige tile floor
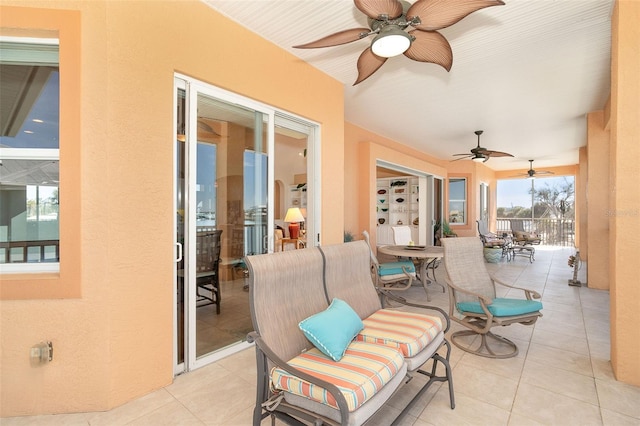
562	375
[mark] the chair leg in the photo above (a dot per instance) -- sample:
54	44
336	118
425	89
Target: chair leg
485	348
218	294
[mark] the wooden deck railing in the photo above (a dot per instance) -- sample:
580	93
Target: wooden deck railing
18	251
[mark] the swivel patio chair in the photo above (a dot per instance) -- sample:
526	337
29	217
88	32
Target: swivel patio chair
473	302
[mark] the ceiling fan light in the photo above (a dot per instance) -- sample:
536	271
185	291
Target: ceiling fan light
391	41
479	158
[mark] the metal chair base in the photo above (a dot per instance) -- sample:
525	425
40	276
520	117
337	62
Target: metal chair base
484	348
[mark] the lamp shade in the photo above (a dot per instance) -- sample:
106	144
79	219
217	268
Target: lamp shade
391	41
294	217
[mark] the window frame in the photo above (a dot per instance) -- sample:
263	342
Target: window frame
65	25
465	201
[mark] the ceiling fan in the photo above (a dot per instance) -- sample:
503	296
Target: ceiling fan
531	173
481	154
394	23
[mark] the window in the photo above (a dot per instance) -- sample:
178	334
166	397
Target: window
457	201
29	155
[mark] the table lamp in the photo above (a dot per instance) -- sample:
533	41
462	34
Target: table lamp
294	217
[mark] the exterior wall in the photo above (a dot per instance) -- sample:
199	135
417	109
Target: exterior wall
364	148
624	199
582	233
597	201
113	337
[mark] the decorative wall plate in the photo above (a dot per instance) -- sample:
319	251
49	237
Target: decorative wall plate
399	200
382	191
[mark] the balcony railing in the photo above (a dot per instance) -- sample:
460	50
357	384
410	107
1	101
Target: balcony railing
553	232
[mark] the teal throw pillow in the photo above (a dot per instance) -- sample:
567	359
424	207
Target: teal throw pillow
333	329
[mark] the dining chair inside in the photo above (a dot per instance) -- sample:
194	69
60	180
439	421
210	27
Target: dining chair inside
208	247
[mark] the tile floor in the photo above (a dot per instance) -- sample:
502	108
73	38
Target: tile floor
562	375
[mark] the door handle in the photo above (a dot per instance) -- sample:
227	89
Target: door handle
179	246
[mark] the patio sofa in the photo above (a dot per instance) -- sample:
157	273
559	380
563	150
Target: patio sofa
326	350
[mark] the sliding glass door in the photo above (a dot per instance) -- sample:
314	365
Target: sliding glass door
224	192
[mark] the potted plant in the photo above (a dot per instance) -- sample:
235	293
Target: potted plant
348	236
442	230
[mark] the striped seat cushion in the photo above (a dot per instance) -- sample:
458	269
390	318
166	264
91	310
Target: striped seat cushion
409	332
363	370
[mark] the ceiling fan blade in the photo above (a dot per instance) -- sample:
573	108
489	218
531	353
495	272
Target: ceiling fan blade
368	63
497	154
543	172
456	155
336	39
438	14
374	8
430	46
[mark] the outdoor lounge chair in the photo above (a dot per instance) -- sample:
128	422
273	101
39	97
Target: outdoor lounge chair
489	239
522	237
473	302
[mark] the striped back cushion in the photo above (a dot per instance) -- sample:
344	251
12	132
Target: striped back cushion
408	332
363	370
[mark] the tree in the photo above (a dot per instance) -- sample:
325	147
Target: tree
555	201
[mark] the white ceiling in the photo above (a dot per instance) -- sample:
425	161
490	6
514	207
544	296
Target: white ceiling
526	73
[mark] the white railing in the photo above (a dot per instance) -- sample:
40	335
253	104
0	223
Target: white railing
554	232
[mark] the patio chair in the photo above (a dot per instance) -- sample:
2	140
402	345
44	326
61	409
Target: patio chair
522	237
473	302
489	239
396	276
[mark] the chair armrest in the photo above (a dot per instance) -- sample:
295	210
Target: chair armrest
404	287
388	293
531	294
483	300
263	348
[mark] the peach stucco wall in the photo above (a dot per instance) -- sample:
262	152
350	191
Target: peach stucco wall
598	201
114	340
624	199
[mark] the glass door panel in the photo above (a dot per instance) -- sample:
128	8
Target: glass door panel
230	195
224	184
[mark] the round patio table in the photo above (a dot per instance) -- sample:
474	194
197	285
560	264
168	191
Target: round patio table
424	256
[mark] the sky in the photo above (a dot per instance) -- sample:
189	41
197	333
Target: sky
515	192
